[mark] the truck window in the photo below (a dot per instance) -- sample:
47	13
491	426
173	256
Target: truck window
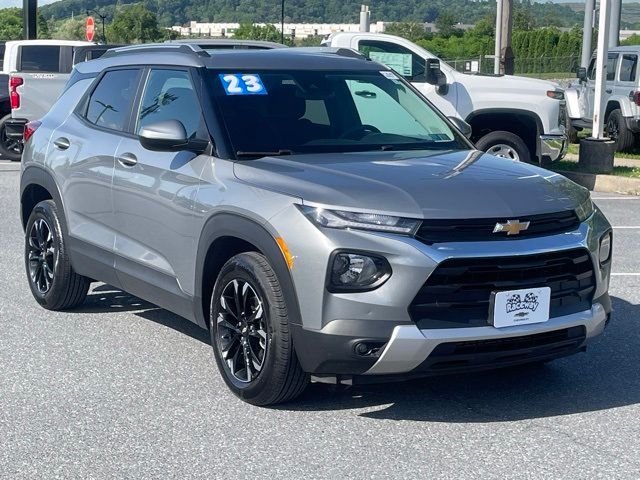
396	57
612	64
628	68
110	103
39	58
1	55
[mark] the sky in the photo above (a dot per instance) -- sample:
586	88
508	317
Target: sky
18	3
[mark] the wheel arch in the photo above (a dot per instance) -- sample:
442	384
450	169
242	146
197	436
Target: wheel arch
225	235
526	124
36	185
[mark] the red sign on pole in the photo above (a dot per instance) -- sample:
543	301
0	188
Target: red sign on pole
90	29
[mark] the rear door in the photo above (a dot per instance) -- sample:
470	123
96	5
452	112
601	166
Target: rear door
154	192
83	155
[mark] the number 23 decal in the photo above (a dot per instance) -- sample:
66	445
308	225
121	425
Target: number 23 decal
242	84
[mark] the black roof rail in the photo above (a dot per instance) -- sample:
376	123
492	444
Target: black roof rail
340	51
187	48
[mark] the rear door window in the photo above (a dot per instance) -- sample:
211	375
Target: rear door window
40	58
111	101
612	65
628	68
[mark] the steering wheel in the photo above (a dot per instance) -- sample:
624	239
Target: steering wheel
359	132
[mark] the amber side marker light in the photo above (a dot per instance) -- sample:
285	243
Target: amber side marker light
285	252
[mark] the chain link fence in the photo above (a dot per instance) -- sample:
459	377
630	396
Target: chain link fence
543	67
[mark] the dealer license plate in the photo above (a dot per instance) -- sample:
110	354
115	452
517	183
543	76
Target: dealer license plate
520	307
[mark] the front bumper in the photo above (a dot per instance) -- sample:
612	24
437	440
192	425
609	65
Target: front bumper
553	147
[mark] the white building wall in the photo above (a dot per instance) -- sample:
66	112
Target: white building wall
302	30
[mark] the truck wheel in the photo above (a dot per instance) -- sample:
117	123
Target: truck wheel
618	131
504	144
54	284
9	147
250	333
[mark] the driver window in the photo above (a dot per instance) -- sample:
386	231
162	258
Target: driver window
169	95
396	57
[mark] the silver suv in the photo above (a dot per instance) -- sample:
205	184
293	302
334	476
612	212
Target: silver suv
314	212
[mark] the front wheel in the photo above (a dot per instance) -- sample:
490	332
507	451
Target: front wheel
251	335
504	144
618	131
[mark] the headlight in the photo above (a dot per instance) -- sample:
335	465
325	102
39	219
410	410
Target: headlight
605	248
555	94
357	272
585	210
360	221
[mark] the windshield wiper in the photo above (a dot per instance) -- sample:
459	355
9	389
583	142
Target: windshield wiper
277	153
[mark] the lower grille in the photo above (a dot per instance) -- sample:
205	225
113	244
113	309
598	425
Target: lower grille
458	292
479	354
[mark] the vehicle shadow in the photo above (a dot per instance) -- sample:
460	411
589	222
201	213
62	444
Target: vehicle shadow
105	298
606	376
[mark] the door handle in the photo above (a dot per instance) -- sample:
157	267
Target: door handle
61	143
608	90
127	160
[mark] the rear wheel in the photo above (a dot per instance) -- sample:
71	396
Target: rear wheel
618	131
504	144
251	335
54	284
10	148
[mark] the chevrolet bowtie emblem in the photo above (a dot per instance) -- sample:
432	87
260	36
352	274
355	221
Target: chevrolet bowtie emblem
512	227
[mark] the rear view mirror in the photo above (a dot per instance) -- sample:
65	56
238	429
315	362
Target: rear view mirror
582	74
461	125
167	135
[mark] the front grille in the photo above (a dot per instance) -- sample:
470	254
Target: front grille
481	229
477	354
457	293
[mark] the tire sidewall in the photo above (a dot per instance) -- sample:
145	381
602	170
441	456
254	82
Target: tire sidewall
240	267
47	211
505	138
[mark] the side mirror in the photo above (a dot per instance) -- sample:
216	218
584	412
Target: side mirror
461	125
582	74
167	135
433	73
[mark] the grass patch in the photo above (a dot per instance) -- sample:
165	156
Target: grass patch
569	166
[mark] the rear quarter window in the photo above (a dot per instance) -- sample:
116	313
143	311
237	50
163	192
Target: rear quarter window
628	68
39	58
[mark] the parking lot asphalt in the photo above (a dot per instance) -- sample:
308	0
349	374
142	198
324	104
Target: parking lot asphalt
123	389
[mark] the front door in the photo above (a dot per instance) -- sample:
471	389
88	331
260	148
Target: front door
612	67
153	195
412	67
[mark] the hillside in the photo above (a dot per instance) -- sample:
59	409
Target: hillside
174	12
630	13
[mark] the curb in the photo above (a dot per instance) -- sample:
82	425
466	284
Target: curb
605	183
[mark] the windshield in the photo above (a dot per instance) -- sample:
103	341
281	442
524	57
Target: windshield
278	112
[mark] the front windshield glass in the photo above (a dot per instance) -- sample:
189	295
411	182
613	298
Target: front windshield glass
322	111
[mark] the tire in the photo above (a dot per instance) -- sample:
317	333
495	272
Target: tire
618	131
10	149
267	338
57	286
504	144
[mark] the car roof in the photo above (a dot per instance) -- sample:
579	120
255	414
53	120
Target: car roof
227	42
303	58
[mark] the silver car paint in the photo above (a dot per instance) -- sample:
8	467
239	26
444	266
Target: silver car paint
167	198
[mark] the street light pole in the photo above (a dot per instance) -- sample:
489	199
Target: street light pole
282	24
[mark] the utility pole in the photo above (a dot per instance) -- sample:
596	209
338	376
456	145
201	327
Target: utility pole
30	18
587	33
503	51
282	24
498	41
614	29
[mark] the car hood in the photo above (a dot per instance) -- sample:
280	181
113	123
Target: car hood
425	184
509	83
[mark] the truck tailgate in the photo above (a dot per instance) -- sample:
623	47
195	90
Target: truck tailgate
38	93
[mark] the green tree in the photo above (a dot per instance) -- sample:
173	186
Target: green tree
70	29
413	31
632	40
11	24
445	23
249	31
135	24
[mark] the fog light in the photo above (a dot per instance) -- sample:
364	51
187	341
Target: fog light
605	248
357	272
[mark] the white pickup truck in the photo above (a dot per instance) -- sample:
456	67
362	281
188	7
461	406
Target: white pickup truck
513	117
621	97
38	71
